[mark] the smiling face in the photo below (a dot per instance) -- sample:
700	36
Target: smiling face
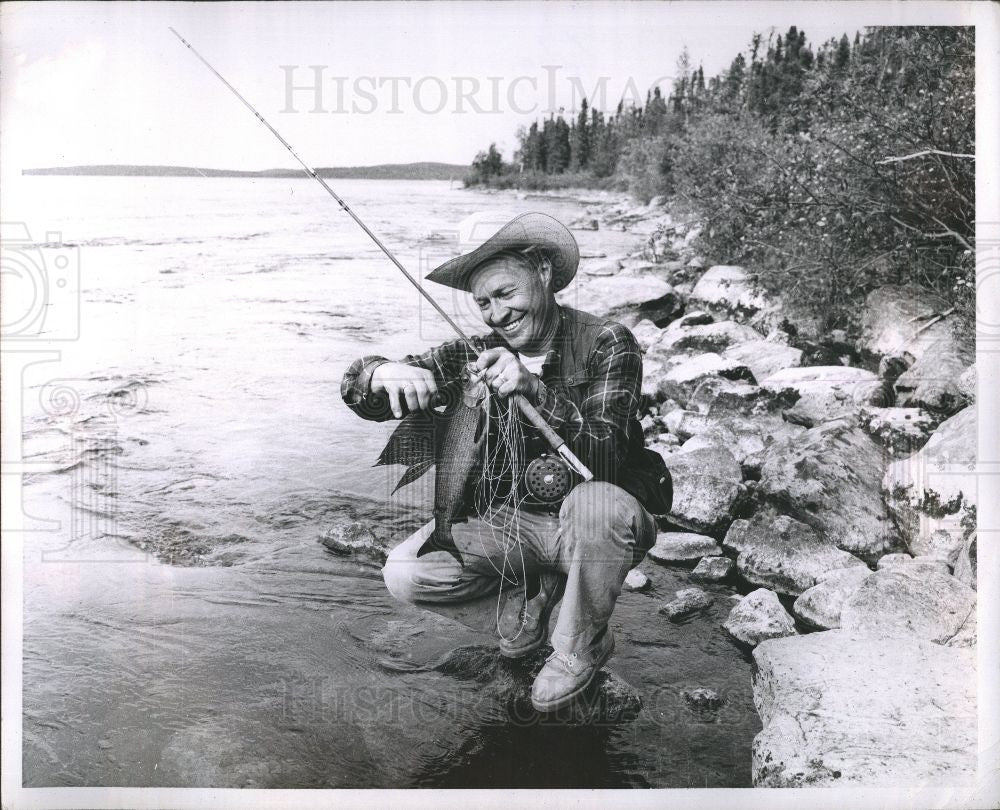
516	301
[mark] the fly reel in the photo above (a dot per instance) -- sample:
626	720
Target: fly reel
547	480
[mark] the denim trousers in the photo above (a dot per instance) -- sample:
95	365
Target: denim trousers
599	533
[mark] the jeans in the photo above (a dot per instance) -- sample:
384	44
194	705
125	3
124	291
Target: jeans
599	534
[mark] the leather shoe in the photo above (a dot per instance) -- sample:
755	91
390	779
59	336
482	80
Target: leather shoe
526	630
565	676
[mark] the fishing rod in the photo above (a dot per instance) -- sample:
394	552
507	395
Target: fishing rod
526	408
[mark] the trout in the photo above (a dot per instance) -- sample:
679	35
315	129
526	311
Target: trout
450	440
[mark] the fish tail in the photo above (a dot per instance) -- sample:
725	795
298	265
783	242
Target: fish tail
441	540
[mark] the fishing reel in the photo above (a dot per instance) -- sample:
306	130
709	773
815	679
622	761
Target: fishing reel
547	481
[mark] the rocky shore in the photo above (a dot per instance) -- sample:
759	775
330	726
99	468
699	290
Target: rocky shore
833	476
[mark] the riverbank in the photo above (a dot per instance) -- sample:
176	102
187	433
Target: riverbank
829	476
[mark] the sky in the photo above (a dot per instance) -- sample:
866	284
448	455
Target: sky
102	83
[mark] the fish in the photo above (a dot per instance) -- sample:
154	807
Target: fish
450	440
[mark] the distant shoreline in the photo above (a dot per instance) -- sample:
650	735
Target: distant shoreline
385	171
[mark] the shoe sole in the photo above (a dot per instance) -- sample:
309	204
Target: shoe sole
546	613
567	699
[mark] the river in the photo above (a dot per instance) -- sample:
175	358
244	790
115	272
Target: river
183	625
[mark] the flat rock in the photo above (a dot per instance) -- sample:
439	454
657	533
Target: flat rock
710	337
682	379
937	545
929	564
827	392
606	297
934	488
842	711
713	569
686	602
899	430
730	289
693	317
757	617
829	477
683	547
820	606
783	554
708	489
635	580
904	600
764	357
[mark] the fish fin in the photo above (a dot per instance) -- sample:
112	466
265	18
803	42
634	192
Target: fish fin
433	543
412	442
412	474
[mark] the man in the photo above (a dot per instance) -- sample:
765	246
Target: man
583	374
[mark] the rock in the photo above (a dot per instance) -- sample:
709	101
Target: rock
903	600
584	224
828	477
727	288
682	379
826	392
355	539
937	545
682	547
608	268
708	488
709	337
900	430
758	617
967	634
930	564
820	605
968	383
687	602
966	565
605	297
635	580
893	323
697	262
936	487
694	317
713	569
764	357
783	554
845	711
702	698
647	333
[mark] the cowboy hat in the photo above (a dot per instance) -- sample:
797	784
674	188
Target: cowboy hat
533	229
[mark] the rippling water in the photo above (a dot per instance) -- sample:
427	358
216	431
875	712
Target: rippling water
183	625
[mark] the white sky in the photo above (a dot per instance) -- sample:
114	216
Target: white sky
91	83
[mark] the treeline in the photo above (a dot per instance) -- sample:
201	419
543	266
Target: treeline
829	169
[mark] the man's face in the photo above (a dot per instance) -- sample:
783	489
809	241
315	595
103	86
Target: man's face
516	301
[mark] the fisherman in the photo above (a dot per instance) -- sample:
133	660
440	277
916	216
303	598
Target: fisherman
583	375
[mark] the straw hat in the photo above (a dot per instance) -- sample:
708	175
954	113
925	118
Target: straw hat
533	229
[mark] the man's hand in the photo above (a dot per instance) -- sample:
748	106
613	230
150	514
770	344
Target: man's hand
404	383
506	375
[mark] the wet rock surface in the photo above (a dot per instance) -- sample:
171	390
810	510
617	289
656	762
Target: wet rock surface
686	603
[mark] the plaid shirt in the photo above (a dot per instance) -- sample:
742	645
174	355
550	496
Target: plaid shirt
589	391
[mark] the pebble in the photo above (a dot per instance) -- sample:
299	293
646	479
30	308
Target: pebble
688	601
635	580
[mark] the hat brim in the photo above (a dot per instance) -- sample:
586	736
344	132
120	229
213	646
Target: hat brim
533	229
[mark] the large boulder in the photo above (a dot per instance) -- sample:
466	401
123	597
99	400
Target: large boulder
710	337
898	321
645	297
683	547
843	711
708	489
764	357
820	605
827	392
934	489
728	289
900	430
686	374
828	477
782	554
757	617
902	601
